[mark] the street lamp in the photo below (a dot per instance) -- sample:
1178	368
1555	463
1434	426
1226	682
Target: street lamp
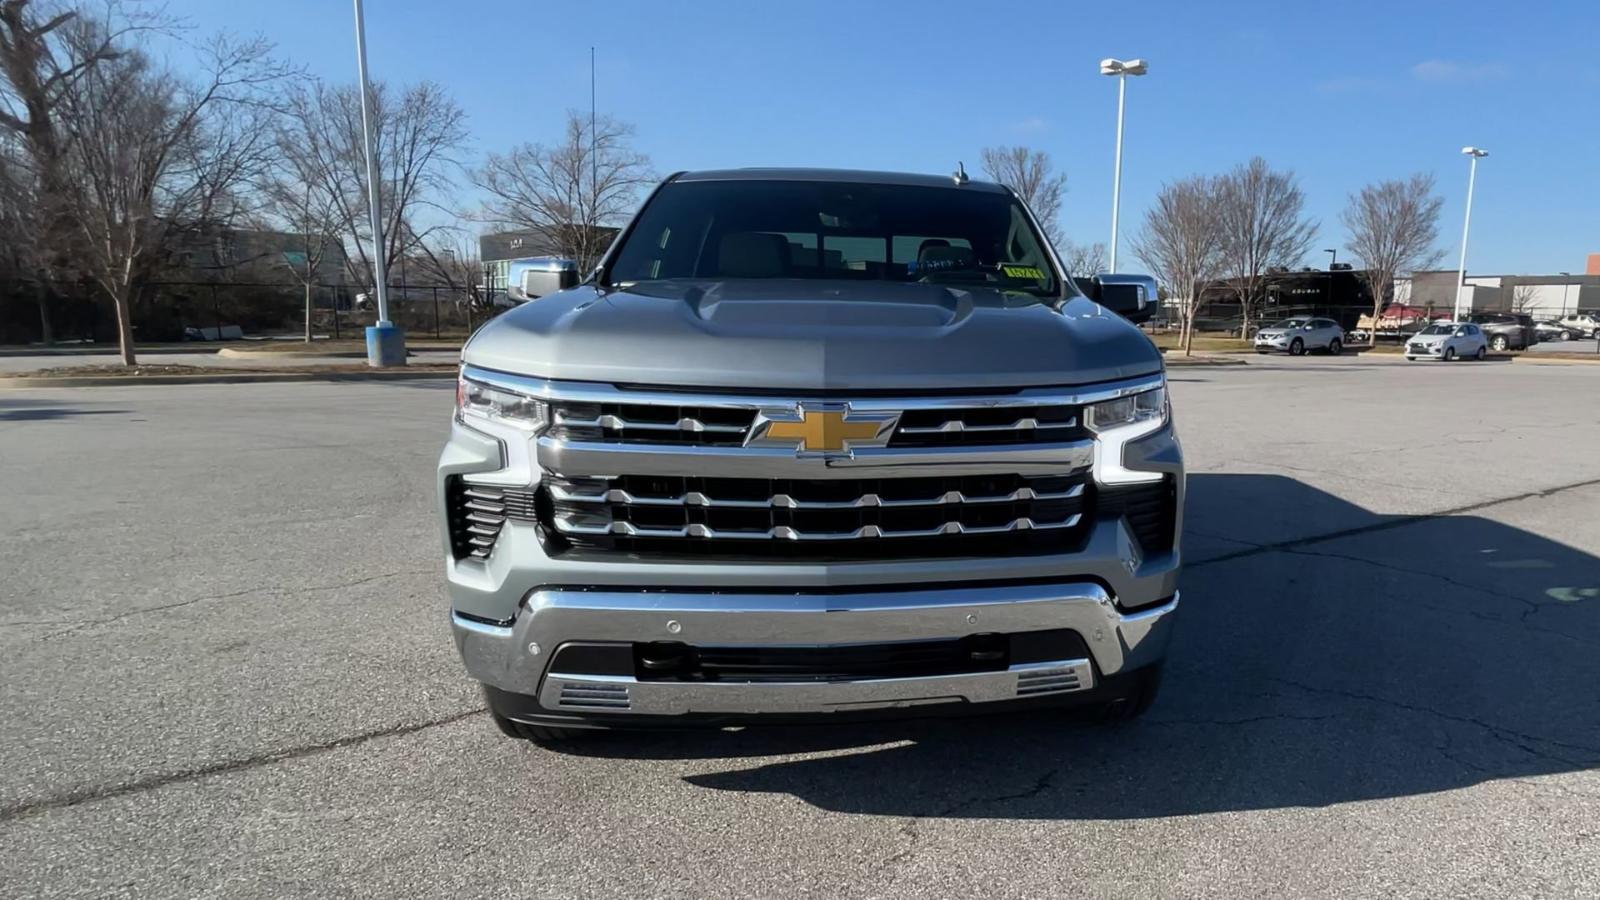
1333	257
1121	70
1472	177
386	343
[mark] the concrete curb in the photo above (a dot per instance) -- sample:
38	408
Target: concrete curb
25	381
1541	360
230	353
1203	358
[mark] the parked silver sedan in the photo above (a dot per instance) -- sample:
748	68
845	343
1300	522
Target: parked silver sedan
1298	336
1448	341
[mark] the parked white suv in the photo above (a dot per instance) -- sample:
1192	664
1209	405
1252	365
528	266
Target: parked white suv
1297	336
1586	323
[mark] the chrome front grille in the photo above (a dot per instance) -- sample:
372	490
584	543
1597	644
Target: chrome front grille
710	425
823	476
640	423
844	517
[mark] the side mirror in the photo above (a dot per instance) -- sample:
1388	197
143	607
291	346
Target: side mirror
1131	296
540	277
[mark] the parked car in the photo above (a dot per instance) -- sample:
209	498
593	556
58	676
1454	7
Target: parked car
1298	336
1549	330
1585	323
1448	341
1506	330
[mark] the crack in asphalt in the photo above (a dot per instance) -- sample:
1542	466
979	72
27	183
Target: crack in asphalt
73	627
1519	739
139	786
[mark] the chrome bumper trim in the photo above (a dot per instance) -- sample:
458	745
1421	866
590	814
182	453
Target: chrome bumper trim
505	659
626	695
593	458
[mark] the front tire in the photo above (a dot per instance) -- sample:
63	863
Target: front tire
1564	336
1449	354
1297	347
1500	343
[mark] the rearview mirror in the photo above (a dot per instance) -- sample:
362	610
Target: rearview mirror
1131	296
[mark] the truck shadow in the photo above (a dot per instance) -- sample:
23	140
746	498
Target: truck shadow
1409	656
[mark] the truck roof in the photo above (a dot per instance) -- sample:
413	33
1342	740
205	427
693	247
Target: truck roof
837	175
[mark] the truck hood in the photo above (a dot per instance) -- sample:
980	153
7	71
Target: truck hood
811	335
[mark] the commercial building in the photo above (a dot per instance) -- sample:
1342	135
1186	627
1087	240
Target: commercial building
1541	296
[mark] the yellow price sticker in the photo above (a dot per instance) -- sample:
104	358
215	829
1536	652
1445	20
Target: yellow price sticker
1022	272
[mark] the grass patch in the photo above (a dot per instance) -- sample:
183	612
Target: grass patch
1171	340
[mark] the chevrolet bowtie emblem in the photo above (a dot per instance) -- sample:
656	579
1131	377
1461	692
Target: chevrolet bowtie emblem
830	431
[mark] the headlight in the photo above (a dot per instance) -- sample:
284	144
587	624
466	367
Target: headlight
474	399
1148	406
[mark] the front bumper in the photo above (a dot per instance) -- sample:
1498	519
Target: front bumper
513	611
515	658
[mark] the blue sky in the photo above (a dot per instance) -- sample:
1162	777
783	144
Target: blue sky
1343	94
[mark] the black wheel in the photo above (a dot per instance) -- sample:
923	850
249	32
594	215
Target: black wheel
1297	347
539	734
1564	336
1135	702
1481	355
1449	354
1335	347
1500	343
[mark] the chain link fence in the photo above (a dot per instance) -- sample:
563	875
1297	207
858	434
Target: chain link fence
166	311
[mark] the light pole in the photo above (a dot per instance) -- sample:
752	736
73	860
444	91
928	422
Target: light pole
1466	227
1121	70
1333	257
386	344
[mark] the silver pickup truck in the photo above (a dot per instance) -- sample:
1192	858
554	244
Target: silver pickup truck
811	445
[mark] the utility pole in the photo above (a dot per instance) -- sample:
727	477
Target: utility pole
386	344
1120	70
1466	226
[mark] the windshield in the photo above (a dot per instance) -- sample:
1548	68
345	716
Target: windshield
1290	323
857	232
1438	329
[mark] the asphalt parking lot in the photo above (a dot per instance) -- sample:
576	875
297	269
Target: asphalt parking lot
227	673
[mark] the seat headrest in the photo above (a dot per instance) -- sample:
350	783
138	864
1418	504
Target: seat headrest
753	254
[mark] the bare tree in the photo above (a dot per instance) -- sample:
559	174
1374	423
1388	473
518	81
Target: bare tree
44	51
1523	296
151	154
1182	242
1031	174
574	192
1393	226
312	218
419	136
1263	225
1081	260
